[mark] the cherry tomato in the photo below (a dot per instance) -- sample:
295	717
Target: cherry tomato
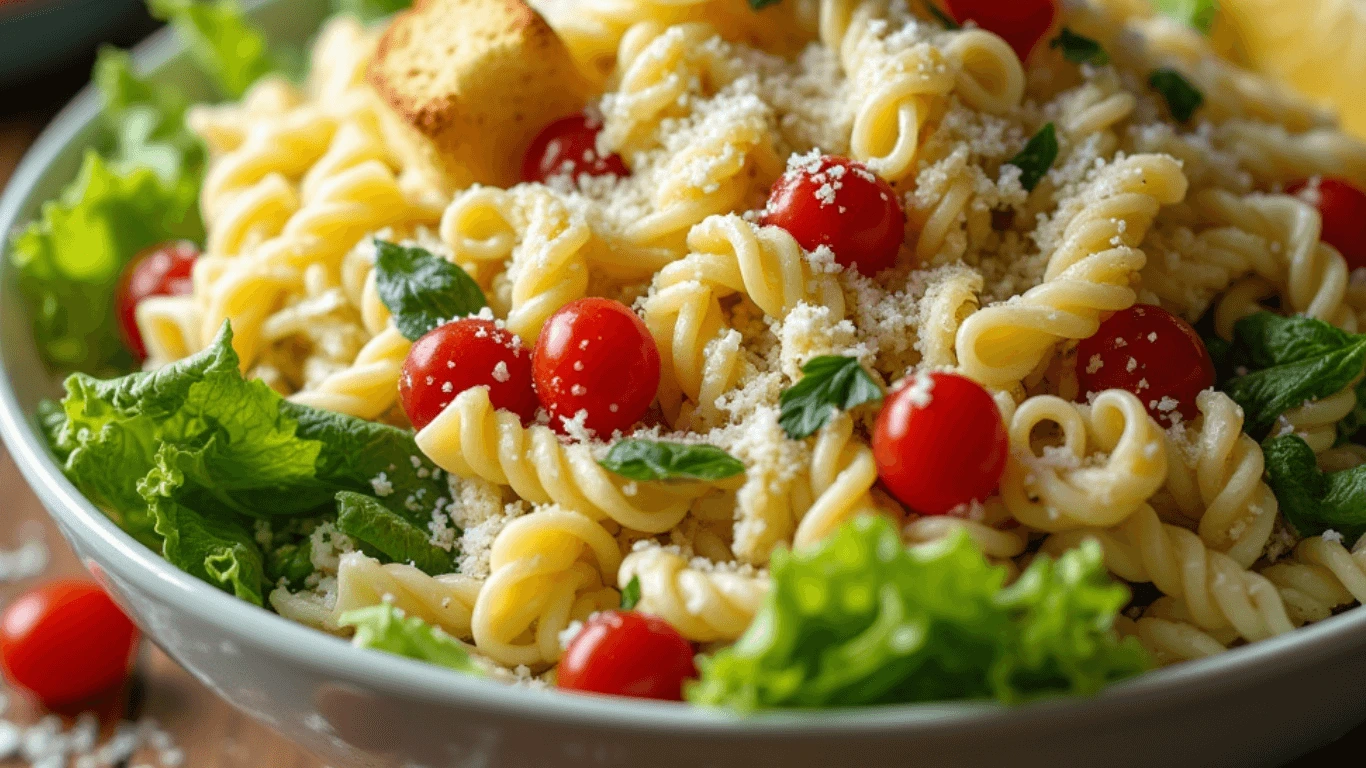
836	202
461	355
65	642
1022	23
1152	353
569	146
162	270
624	653
595	355
940	442
1344	218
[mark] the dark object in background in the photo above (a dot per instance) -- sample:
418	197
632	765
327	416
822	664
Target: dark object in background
39	36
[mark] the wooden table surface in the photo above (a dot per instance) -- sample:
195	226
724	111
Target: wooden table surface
211	733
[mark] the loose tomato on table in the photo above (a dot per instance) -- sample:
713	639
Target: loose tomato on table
162	270
624	653
836	202
1343	207
1152	353
569	146
940	442
596	356
65	642
1021	23
461	355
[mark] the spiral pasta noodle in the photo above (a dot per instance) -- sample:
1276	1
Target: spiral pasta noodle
704	603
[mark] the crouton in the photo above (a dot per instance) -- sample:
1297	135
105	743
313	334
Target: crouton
480	78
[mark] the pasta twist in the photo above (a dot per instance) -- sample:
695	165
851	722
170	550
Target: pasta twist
993	531
1214	477
471	439
1087	275
1321	576
1112	459
1170	642
703	602
546	570
1216	592
658	69
368	388
446	601
684	314
842	473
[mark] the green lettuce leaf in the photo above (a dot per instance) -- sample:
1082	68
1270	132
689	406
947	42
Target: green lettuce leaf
1199	14
145	123
222	41
197	443
385	628
370	10
70	259
1314	501
861	619
365	519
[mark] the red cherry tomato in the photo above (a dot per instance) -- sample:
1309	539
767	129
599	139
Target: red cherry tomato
624	653
162	270
1022	23
569	146
462	355
595	355
1344	218
836	202
940	442
65	642
1152	353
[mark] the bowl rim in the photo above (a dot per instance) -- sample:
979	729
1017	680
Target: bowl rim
1247	665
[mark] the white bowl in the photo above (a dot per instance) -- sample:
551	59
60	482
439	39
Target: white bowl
1258	705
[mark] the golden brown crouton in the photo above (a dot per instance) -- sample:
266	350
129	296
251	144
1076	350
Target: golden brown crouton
480	78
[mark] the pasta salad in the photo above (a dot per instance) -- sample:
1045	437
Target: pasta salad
781	353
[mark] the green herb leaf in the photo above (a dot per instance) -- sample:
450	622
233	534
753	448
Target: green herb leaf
830	383
860	619
648	460
1036	157
940	16
759	5
1182	97
70	259
1080	49
222	41
630	597
291	562
384	627
1199	14
370	10
1353	423
365	519
422	290
1292	360
1311	500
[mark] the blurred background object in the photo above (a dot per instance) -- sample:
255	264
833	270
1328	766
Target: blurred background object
39	36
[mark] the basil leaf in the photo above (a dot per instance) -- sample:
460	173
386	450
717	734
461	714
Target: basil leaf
940	16
1293	360
647	460
1080	49
1311	500
1352	424
630	596
1036	157
830	383
366	520
1182	97
1198	14
422	290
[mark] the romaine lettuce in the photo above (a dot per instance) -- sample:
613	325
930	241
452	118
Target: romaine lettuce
385	628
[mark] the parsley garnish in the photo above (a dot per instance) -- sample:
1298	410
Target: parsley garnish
1292	360
1182	97
1036	157
1080	49
1199	14
940	16
1311	500
423	290
630	596
648	460
831	383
